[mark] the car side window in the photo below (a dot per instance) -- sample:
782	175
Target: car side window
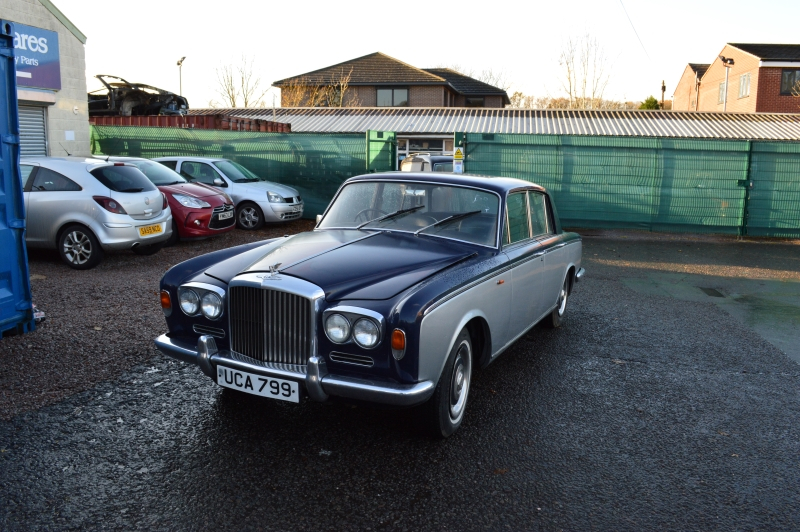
201	172
49	181
25	171
539	216
170	164
517	226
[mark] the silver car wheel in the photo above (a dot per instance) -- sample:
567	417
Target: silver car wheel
77	247
249	217
459	386
562	300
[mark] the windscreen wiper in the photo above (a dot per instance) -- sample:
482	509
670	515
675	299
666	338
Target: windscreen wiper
391	215
132	189
447	220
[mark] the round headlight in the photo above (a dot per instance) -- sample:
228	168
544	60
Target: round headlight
365	333
190	302
211	305
337	328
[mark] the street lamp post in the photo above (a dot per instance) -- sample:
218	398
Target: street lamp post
727	62
180	75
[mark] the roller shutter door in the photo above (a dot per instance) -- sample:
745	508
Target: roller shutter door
32	132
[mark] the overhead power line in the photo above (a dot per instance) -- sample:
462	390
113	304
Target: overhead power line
634	30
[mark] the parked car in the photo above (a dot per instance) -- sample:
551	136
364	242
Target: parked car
257	200
123	98
198	210
83	207
409	282
425	162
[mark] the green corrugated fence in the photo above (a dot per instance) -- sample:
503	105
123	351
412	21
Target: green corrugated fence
314	164
657	184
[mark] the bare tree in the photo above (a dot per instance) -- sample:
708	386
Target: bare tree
335	91
240	83
796	91
585	72
495	78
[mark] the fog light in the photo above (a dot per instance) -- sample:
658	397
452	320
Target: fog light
337	328
398	344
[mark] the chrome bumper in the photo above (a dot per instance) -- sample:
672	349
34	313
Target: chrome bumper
318	382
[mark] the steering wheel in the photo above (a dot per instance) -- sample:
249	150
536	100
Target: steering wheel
368	214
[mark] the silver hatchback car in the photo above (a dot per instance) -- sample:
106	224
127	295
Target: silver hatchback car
82	207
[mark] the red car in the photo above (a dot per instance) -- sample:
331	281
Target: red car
198	210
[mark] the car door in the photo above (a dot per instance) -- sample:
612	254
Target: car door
555	258
51	194
196	171
527	257
26	172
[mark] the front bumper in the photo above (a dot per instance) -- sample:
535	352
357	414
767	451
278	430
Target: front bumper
318	382
281	212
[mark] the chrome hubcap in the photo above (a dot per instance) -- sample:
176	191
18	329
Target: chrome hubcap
248	217
562	300
77	247
459	387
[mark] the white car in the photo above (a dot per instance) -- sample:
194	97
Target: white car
82	207
257	200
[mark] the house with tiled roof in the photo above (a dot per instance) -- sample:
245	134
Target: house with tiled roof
378	80
744	78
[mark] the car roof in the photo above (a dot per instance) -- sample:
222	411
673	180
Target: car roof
191	157
66	163
501	185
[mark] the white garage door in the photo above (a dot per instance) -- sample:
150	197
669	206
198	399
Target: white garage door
32	131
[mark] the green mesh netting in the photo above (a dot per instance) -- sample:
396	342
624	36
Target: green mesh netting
656	184
314	164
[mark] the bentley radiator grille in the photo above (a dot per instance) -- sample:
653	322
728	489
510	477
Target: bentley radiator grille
269	325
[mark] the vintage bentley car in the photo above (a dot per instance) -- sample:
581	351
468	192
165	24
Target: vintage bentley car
408	283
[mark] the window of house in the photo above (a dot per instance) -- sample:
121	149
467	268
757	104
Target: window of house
392	98
790	79
721	98
473	102
744	85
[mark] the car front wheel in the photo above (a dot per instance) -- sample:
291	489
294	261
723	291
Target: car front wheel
249	216
445	410
79	248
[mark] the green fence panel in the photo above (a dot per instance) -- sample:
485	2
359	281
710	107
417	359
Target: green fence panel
678	185
381	151
314	164
774	204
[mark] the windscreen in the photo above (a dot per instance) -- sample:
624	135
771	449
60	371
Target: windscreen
159	174
446	211
236	172
123	179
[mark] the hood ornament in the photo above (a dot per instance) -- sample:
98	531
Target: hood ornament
273	273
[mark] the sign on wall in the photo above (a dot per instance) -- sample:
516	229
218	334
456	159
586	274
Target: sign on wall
36	57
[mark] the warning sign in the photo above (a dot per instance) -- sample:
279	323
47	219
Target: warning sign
459	154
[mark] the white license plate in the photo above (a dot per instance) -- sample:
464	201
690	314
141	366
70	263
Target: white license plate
225	215
258	385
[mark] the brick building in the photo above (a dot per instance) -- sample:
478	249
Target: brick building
377	80
760	79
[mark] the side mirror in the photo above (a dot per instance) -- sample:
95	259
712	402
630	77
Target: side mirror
219	182
319	218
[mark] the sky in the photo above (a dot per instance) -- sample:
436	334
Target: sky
645	41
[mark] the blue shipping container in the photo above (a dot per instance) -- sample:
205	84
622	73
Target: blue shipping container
16	313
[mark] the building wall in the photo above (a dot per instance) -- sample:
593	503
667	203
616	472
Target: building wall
709	85
770	99
493	101
364	97
70	112
685	92
426	96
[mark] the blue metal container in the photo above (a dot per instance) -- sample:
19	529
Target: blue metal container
16	312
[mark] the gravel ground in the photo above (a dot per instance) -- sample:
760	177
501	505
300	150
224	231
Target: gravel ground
99	323
640	413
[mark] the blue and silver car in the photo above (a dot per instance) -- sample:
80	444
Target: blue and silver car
408	283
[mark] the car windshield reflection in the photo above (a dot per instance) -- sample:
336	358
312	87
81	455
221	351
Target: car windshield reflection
438	210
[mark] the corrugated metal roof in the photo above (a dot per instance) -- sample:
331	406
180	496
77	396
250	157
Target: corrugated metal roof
448	120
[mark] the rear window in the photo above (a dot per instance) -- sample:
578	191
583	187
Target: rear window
123	179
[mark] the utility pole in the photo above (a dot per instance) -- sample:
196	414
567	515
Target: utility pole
663	90
180	76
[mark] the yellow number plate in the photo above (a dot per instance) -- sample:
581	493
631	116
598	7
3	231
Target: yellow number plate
150	230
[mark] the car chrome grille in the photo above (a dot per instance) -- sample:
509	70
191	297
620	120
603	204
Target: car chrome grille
270	325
